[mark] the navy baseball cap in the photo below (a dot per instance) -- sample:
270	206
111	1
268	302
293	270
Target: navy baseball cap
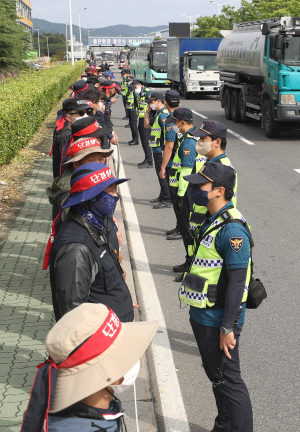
88	181
172	96
125	71
184	114
211	127
77	104
108	74
213	172
156	95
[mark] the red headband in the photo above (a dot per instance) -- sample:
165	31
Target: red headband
85	88
43	387
91	180
81	145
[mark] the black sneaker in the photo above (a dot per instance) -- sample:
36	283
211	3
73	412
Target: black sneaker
181	268
156	200
145	164
127	126
172	231
174	236
162	204
133	143
179	278
125	118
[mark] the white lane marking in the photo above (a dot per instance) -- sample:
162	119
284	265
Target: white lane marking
198	114
229	131
297	170
161	358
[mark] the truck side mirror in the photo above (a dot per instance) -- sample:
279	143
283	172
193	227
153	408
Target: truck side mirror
149	57
277	54
278	42
182	59
182	63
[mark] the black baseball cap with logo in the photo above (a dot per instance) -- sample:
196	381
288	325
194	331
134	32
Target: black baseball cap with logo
214	172
155	96
211	127
172	96
184	114
76	104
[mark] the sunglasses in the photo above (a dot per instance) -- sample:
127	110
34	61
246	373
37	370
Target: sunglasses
89	112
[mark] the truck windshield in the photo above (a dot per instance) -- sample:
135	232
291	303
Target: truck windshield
122	57
291	51
160	58
203	62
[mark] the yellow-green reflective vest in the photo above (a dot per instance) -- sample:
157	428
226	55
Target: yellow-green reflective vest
174	172
198	210
124	87
130	101
201	291
156	131
142	104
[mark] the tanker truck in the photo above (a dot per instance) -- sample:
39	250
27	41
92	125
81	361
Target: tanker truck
259	65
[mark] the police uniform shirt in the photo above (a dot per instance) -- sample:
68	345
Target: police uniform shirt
232	260
170	135
187	151
147	93
161	121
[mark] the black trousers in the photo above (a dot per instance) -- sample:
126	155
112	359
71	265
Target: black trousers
133	124
144	137
173	194
232	397
184	217
164	187
124	103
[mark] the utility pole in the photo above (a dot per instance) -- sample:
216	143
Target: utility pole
80	32
38	30
71	33
67	42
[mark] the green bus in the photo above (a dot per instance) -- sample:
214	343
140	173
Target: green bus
148	62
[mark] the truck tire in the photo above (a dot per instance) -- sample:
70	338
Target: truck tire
227	103
242	107
235	108
186	95
271	126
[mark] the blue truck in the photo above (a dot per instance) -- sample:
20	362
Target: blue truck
192	65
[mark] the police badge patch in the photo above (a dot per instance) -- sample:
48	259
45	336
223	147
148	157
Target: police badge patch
186	152
168	128
236	243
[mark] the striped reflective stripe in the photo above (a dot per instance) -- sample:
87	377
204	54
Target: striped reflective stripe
193	295
203	262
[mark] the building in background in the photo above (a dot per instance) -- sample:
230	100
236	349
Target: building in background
24	8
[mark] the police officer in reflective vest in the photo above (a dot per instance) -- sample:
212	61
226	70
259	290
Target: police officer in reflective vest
211	148
215	287
142	93
131	107
124	89
183	164
155	119
172	101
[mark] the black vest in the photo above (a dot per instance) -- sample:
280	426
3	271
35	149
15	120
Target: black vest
109	286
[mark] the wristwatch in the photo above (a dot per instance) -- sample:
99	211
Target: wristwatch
225	331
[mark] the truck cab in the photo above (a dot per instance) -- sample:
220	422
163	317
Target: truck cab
200	72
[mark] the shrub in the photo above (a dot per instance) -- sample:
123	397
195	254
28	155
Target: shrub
25	103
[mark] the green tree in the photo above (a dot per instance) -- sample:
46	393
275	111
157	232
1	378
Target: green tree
57	44
14	40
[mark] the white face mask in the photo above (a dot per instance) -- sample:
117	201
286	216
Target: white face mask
153	107
176	128
204	147
138	90
129	379
100	105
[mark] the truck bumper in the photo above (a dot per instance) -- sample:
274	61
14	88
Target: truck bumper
203	89
288	113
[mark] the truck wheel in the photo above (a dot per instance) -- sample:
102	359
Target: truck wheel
227	103
235	109
186	94
272	127
242	107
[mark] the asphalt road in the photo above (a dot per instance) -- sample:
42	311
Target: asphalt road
268	197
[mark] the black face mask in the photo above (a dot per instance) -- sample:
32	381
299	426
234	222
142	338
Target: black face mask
200	197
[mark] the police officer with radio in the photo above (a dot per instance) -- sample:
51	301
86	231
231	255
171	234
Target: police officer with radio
155	119
183	164
131	107
215	287
142	93
124	89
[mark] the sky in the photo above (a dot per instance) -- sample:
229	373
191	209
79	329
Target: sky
133	12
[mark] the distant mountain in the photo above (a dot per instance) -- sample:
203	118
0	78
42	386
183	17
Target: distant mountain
116	30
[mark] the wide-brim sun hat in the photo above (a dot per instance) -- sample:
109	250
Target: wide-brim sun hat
83	147
88	181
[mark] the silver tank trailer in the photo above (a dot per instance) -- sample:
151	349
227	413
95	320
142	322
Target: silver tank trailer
241	51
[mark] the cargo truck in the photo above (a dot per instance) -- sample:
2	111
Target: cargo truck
192	65
259	65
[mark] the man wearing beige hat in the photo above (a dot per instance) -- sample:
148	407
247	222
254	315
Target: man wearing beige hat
82	151
90	352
